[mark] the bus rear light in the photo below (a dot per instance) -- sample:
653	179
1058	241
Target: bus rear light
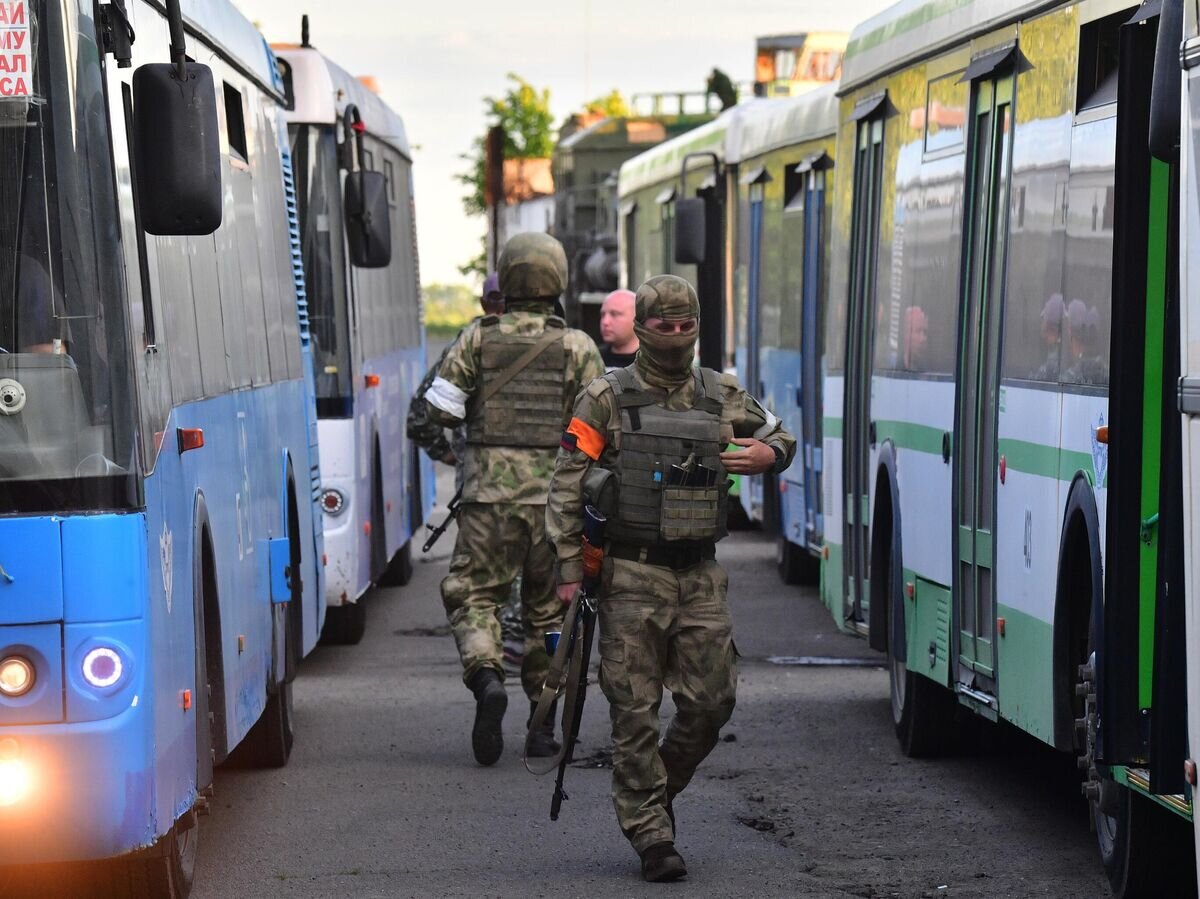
332	501
102	667
15	781
16	676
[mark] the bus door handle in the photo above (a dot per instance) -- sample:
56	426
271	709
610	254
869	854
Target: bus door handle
946	447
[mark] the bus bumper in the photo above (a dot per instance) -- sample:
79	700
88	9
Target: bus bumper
77	792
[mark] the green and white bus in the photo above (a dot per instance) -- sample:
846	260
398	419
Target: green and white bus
1000	250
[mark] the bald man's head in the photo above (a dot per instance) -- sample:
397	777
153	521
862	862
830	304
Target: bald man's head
616	321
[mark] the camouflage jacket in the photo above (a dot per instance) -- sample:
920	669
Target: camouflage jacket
596	408
499	474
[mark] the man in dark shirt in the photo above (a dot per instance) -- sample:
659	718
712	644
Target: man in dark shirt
616	330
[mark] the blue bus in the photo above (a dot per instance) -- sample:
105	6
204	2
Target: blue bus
368	337
160	544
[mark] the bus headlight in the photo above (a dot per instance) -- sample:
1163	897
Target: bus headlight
16	676
332	501
102	667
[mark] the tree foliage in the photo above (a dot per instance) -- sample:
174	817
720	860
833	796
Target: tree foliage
524	114
612	105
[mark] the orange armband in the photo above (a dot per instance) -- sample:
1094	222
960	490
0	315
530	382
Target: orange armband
581	436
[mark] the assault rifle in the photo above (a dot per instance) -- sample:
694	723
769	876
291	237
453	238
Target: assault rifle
574	651
435	533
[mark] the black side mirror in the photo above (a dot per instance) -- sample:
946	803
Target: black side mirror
689	231
177	151
368	226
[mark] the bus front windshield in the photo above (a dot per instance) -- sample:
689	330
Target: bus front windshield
66	427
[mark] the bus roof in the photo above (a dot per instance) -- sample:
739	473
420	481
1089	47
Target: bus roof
322	90
772	124
911	29
221	25
742	132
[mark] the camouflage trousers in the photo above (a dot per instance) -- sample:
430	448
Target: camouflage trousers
497	542
662	627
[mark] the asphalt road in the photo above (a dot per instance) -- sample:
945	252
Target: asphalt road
808	794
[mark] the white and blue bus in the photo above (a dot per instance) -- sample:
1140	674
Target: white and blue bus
369	342
159	543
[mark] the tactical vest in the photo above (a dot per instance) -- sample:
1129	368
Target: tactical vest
651	512
527	410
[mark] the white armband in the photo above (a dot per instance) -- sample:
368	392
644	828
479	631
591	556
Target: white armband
445	396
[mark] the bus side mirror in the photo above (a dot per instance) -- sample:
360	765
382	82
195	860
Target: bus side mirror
689	231
368	226
177	152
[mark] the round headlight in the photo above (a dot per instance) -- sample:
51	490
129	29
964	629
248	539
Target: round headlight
332	501
102	667
16	676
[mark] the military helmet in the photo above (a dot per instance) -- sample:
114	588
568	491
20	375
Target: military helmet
668	297
532	265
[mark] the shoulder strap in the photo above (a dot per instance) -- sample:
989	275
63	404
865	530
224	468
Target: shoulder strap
519	365
708	391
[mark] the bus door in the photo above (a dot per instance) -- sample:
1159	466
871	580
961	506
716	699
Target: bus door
984	232
752	492
810	356
857	436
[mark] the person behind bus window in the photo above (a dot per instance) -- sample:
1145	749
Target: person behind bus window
1052	326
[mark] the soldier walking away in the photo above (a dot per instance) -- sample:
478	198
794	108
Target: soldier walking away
512	379
660	425
422	430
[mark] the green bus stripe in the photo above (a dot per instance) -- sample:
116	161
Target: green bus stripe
915	19
1019	455
1156	268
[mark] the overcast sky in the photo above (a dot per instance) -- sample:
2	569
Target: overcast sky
435	61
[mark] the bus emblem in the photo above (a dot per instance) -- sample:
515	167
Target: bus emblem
167	557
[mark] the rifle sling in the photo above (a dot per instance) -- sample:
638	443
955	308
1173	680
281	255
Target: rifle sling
518	366
564	672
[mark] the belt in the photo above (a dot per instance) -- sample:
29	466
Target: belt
676	558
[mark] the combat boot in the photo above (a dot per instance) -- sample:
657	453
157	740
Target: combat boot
491	699
543	745
661	863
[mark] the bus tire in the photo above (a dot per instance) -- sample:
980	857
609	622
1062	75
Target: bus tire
165	871
269	742
345	624
1143	847
796	565
923	711
400	569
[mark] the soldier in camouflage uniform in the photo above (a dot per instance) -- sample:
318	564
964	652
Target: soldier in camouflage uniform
420	427
513	379
661	425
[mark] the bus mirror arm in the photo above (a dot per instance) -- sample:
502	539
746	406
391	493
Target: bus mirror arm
178	41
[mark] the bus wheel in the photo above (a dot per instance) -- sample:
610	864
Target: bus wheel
164	872
922	710
400	569
269	742
1147	851
344	624
796	565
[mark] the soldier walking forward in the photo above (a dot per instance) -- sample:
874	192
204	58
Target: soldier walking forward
513	379
660	424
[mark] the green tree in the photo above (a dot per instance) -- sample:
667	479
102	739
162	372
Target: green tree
449	307
524	114
612	105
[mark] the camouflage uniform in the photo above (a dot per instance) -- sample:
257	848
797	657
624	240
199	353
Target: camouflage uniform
659	625
428	434
501	524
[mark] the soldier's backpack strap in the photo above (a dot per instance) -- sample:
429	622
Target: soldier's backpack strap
522	362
